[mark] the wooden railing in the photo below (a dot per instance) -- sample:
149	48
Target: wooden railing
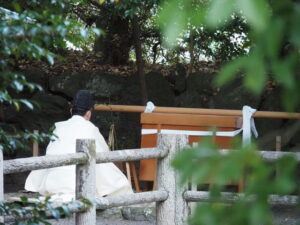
171	199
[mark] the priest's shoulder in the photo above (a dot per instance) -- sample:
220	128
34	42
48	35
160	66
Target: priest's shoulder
59	124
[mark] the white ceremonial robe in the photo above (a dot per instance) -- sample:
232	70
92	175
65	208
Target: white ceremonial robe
61	180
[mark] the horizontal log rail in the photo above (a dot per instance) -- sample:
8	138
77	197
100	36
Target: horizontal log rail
171	200
104	203
130	155
42	162
228	197
51	161
131	199
220	112
268	156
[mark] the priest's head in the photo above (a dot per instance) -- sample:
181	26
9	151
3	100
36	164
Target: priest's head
82	104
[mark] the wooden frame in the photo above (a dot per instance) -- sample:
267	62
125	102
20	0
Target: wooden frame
188	122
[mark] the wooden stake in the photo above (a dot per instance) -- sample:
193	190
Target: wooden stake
278	144
35	145
1	183
86	181
135	178
174	210
128	172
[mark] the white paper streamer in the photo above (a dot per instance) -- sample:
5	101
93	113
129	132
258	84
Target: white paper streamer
248	124
150	107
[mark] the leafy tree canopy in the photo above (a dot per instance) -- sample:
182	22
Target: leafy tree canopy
36	30
273	32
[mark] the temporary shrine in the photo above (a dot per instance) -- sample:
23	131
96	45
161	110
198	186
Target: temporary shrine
196	123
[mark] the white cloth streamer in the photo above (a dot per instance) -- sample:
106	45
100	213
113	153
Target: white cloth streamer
150	107
248	124
193	132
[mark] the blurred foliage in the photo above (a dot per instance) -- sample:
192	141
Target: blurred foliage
37	30
38	212
205	164
115	19
272	44
274	36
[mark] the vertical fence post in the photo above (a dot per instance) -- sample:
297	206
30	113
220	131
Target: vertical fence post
174	210
86	181
35	145
1	183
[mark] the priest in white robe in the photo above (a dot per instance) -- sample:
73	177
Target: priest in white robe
60	181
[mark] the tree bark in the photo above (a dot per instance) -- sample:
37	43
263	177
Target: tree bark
191	51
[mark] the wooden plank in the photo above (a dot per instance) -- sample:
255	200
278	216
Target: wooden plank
148	167
190	120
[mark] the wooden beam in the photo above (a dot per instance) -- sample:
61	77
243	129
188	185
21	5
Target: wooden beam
190	120
221	112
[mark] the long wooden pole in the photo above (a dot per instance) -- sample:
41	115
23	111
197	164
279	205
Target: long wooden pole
218	112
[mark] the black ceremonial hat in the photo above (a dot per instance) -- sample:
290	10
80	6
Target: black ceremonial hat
83	100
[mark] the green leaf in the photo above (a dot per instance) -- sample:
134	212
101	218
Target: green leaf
24	199
219	11
256	12
283	73
27	103
255	77
66	210
172	20
18	86
229	71
274	40
55	213
16	104
50	59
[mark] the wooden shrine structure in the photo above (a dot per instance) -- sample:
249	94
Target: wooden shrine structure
185	120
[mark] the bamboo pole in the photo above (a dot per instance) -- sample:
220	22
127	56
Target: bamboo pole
217	112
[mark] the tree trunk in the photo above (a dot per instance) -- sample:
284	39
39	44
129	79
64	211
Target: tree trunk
115	45
139	60
191	51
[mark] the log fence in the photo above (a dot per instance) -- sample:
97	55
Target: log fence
171	199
